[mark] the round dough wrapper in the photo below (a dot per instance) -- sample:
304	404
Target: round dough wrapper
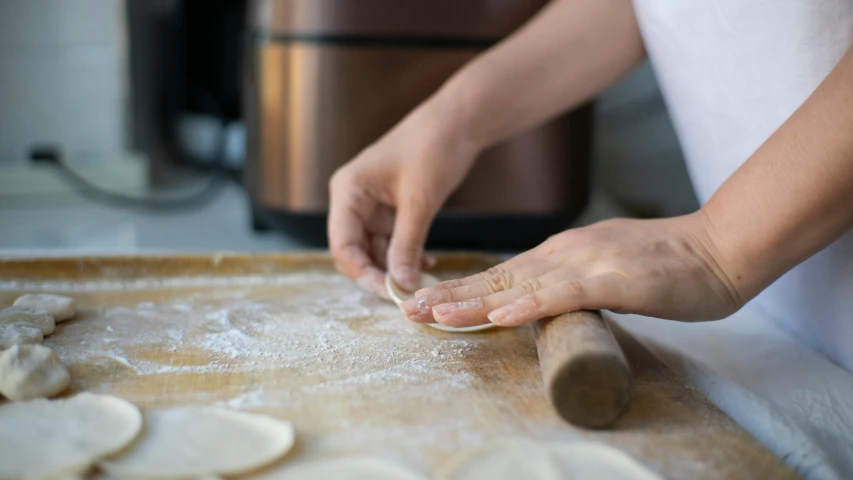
28	372
61	438
346	468
28	316
521	458
399	296
59	307
12	334
191	442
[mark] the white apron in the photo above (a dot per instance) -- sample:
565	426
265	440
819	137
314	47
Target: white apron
732	71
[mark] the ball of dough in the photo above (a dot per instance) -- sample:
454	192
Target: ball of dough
12	334
41	319
31	371
59	307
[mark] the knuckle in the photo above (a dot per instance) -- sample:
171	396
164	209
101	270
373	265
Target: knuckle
497	278
446	296
340	179
575	288
531	285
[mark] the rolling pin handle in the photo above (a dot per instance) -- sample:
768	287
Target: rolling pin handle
584	371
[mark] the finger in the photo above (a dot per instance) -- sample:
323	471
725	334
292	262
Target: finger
568	296
428	262
373	281
498	278
407	244
366	276
475	311
419	308
348	242
379	251
380	220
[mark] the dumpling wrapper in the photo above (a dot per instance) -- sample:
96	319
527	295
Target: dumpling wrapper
192	442
63	438
360	467
513	458
398	295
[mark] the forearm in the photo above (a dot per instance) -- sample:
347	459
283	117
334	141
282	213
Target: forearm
564	56
794	196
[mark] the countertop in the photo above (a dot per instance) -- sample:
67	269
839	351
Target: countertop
66	223
788	396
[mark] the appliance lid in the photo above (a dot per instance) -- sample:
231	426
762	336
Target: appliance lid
442	20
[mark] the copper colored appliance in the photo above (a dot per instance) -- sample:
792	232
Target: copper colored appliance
325	78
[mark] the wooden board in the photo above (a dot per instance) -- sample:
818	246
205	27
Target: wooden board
286	336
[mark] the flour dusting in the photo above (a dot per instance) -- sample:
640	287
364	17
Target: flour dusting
328	337
348	369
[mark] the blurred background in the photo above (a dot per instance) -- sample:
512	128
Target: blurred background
181	125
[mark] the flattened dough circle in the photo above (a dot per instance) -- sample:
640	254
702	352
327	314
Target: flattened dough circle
191	442
359	467
52	439
399	296
514	458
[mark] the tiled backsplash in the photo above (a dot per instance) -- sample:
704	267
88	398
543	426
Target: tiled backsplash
62	77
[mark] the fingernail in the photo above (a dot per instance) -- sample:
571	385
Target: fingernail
416	309
406	278
513	314
428	300
499	316
451	308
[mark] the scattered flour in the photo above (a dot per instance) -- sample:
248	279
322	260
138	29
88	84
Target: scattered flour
352	373
330	334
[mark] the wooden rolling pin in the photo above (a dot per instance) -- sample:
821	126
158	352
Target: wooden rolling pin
585	372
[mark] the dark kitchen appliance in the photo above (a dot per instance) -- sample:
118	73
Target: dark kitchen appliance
325	78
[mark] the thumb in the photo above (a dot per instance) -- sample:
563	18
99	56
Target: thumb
407	243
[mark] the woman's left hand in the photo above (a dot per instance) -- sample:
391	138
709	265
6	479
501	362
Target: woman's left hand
662	268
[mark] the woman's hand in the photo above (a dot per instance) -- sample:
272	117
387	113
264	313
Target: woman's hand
383	202
385	199
661	268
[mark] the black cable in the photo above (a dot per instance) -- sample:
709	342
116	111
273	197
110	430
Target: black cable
52	155
88	189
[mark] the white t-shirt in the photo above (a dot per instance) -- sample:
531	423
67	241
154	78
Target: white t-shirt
732	71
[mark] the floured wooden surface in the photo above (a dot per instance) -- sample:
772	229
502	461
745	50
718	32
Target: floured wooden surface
305	345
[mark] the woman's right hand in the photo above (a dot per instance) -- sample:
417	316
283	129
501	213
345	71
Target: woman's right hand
384	200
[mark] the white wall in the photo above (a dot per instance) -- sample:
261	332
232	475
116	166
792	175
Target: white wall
62	77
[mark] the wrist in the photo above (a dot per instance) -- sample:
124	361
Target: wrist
727	253
459	112
437	131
